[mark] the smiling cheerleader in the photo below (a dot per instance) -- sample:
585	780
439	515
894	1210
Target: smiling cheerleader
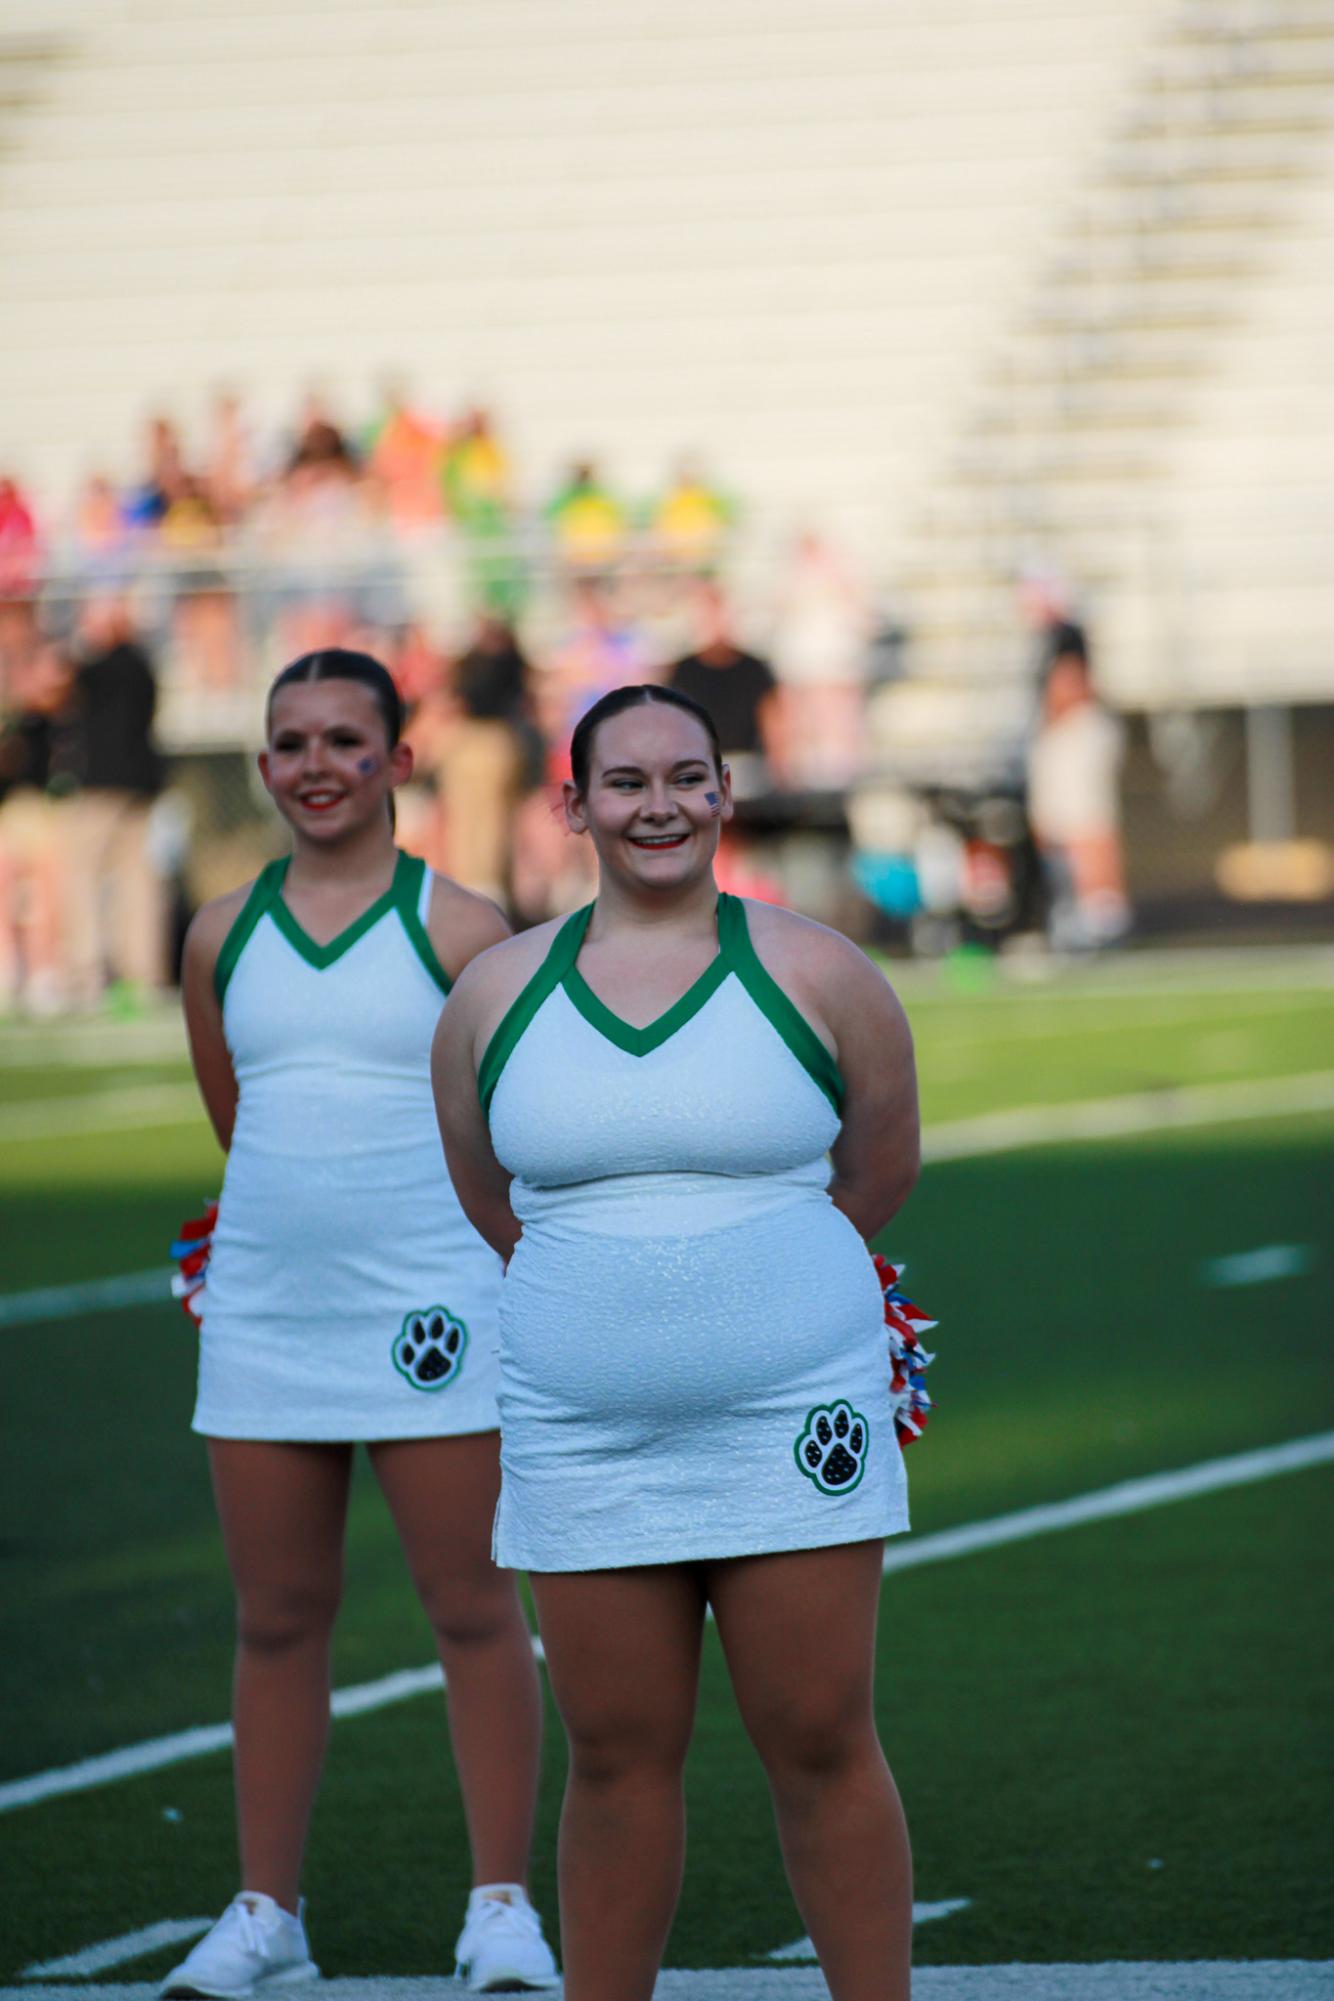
679	1116
345	1298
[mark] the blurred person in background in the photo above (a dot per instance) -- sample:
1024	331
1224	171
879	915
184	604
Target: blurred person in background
589	525
1074	808
20	567
820	647
229	464
115	910
403	449
420	672
163	477
739	690
34	773
478	485
599	650
481	761
205	624
99	534
691	520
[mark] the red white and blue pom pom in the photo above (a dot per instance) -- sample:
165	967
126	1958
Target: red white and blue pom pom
192	1250
909	1360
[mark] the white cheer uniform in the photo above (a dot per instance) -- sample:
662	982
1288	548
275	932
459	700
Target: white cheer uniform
347	1296
693	1351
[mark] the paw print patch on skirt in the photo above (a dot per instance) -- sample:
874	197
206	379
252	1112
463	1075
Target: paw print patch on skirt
831	1450
430	1347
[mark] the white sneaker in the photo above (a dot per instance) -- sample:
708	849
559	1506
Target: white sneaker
501	1949
254	1944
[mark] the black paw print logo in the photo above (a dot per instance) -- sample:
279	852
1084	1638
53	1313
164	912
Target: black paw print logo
831	1451
429	1350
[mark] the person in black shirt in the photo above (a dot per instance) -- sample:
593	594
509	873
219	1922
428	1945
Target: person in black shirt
116	903
34	772
481	766
741	693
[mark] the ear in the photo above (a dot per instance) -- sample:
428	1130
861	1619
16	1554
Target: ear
401	763
726	782
263	762
575	817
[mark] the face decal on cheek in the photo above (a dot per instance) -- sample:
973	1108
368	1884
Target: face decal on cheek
714	803
365	766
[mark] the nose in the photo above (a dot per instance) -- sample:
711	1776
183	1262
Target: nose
657	805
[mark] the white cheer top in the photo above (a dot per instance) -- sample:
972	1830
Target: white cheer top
693	1350
347	1297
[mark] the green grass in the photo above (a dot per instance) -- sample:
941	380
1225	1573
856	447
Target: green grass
1061	1714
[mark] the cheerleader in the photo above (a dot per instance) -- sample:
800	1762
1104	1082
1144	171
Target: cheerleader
347	1299
690	1113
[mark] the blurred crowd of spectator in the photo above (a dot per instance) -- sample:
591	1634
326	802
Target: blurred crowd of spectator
201	573
206	568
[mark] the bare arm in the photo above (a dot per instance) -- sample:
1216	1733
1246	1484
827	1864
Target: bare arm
480	1182
203	1015
461	924
877	1154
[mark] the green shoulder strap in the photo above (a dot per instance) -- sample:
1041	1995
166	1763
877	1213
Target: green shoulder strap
263	892
408	876
734	938
564	951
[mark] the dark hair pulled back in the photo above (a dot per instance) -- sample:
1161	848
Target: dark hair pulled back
341	663
635	696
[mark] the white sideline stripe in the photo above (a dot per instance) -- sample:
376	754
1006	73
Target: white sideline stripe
922	1914
108	1111
94	1295
1122	1980
1132	1112
992	1132
1257	1267
964	1139
1130	1497
113	1951
155	1752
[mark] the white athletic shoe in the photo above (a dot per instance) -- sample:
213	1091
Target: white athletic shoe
254	1944
501	1949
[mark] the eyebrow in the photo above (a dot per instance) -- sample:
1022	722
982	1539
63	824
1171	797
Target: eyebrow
636	771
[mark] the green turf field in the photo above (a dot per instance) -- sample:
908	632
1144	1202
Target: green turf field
1113	1740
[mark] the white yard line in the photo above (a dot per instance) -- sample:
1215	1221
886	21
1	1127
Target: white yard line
1260	1266
1130	1113
964	1139
93	1295
1123	1980
802	1952
78	1116
115	1951
1130	1497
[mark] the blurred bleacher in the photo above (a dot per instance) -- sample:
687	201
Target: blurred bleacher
971	288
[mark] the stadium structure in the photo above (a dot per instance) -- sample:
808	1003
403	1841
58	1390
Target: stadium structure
985	293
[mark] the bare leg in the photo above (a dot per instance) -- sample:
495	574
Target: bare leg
442	1494
622	1651
283	1509
798	1630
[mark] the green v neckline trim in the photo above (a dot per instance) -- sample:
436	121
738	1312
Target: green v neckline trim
266	898
323	956
642	1041
736	954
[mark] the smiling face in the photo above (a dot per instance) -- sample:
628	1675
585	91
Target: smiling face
655	800
329	766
